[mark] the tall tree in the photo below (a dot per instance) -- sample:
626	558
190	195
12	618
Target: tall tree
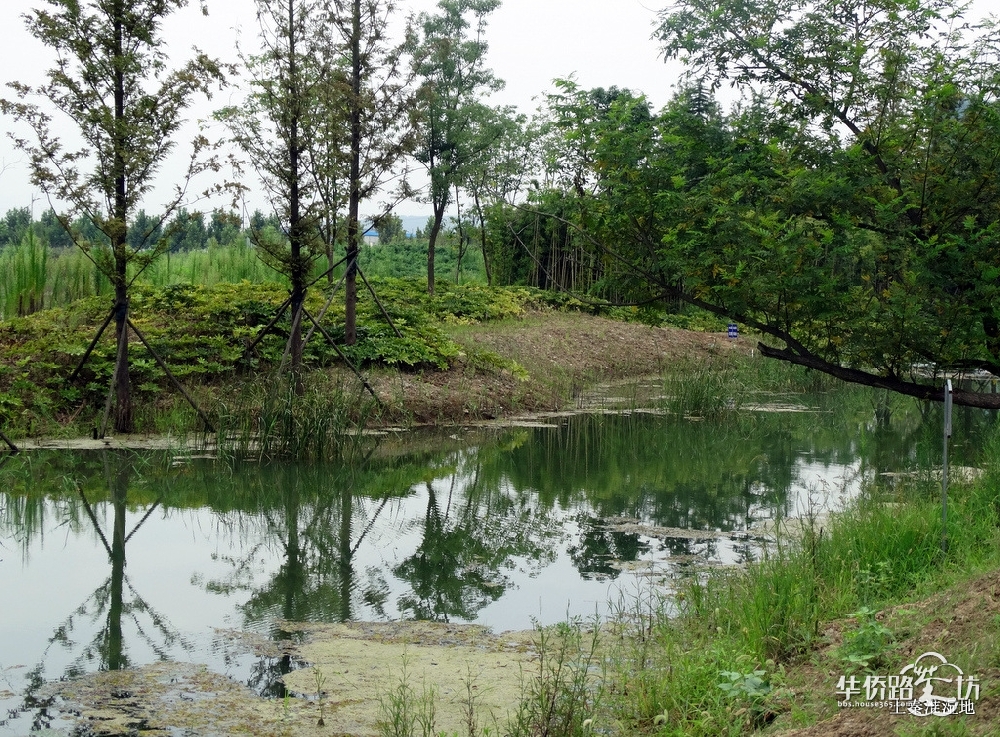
554	249
279	128
498	170
379	111
14	225
449	59
390	229
111	80
852	213
52	231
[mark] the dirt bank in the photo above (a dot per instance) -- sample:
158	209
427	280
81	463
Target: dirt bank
562	353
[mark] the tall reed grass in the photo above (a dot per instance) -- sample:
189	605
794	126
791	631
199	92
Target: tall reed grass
23	289
37	276
267	420
73	276
713	388
210	266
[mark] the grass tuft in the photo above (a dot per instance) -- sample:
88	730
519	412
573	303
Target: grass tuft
267	420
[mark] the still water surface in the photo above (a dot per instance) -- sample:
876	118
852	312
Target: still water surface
110	559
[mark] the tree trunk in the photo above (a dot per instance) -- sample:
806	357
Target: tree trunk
118	236
353	228
482	237
123	383
461	238
115	654
432	240
346	554
295	234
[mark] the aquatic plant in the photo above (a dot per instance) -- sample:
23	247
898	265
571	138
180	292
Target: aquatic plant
269	420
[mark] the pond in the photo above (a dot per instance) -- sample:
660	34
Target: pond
118	558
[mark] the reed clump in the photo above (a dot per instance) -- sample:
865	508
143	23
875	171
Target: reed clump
268	420
731	383
23	289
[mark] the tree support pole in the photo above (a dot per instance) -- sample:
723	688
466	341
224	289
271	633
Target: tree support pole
3	436
379	303
144	518
345	359
92	345
267	328
170	375
296	320
93	520
283	307
326	306
320	278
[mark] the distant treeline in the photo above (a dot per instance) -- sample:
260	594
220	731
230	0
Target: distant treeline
186	231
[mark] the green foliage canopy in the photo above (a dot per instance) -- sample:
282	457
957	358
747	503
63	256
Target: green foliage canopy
848	208
449	52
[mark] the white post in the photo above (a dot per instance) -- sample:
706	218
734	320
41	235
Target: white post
944	470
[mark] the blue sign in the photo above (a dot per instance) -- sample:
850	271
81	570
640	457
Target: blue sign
734	331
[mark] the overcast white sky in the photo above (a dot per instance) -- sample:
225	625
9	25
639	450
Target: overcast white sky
532	42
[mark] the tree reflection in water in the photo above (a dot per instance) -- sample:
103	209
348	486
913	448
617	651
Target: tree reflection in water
113	602
437	527
473	537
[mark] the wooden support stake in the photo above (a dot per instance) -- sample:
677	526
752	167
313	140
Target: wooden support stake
114	379
3	436
291	334
144	518
324	274
326	306
170	375
379	303
267	328
93	344
345	359
93	519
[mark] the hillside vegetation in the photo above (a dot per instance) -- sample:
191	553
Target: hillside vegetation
445	364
